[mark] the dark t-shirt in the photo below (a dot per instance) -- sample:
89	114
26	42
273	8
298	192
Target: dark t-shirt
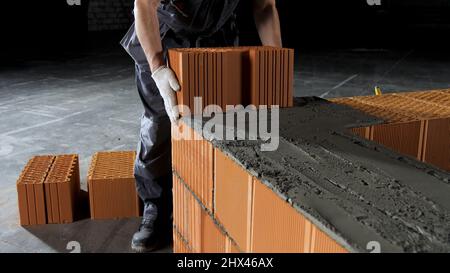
195	17
190	23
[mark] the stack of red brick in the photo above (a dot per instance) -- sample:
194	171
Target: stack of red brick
416	123
48	190
233	76
220	207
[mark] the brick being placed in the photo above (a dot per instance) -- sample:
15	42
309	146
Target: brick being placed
111	185
62	189
327	189
30	190
213	74
234	76
271	76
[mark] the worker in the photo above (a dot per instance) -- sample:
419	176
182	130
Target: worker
158	26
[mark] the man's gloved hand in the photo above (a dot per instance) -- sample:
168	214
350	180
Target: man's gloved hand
167	84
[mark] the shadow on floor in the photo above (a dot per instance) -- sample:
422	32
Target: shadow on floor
89	236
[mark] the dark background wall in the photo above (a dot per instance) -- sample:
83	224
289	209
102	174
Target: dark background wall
107	15
52	27
354	23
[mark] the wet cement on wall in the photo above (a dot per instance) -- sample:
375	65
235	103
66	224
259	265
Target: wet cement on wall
355	190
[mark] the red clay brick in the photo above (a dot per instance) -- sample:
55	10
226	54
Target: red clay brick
369	109
179	205
363	132
231	76
187	214
437	143
30	189
62	188
213	240
406	106
254	67
263	91
233	191
439	98
192	84
231	247
404	138
290	77
219	91
179	63
270	75
111	183
276	227
194	223
193	161
201	82
322	243
416	121
179	243
31	199
23	204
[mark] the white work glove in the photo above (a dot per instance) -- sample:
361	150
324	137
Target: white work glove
167	84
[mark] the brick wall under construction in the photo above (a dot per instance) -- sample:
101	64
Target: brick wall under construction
220	207
416	124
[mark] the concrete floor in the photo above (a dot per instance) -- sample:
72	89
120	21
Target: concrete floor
89	103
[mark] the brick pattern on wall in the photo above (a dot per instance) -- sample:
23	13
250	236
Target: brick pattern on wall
246	216
109	14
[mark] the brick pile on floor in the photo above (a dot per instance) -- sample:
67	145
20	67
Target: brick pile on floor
48	190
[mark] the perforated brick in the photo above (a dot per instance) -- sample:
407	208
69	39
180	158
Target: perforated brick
62	188
194	223
192	159
179	243
30	190
233	193
111	184
232	76
437	143
277	227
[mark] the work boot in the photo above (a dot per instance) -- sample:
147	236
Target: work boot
146	238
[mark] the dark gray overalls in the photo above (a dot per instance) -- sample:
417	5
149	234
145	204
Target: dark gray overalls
183	23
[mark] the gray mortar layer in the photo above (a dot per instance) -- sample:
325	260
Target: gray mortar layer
355	190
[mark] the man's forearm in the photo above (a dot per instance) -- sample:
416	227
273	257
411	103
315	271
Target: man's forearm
267	22
147	30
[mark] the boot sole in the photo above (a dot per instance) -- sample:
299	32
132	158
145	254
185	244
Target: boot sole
143	249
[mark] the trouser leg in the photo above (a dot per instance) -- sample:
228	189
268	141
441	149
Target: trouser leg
153	161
